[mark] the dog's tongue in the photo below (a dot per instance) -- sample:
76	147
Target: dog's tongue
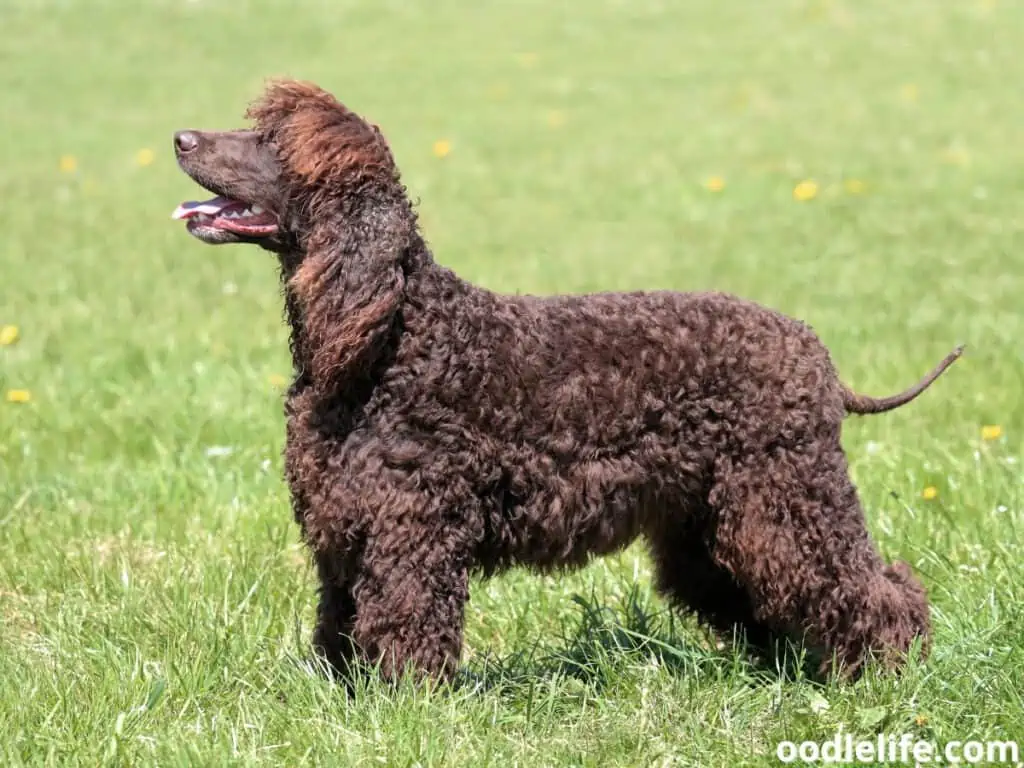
210	207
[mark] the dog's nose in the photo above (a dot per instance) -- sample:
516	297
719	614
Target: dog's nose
185	141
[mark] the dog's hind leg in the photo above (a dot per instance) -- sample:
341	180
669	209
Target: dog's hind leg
790	530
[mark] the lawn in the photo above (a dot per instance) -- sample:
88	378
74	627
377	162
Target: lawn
855	164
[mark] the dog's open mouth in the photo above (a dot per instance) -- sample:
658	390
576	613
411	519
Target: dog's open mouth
209	220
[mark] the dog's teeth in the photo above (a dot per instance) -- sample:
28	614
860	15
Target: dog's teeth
256	210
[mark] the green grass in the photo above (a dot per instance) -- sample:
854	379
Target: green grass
155	604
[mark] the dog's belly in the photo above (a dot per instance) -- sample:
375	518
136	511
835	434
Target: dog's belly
549	516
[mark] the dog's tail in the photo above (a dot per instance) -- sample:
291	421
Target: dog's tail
864	404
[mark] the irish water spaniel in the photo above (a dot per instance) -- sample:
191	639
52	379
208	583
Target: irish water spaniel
435	428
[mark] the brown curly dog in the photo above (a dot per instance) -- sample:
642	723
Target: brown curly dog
435	428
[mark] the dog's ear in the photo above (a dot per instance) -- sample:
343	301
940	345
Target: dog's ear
350	289
340	172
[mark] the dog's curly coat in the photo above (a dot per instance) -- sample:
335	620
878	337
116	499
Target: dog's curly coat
434	427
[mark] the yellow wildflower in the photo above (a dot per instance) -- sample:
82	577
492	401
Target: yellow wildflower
714	184
8	335
144	157
818	10
277	380
909	93
528	60
741	98
929	493
805	190
442	147
991	432
920	721
18	396
68	164
955	155
854	186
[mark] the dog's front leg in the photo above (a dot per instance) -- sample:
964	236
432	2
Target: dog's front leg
336	613
413	586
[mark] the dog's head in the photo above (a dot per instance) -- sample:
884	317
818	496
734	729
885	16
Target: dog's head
304	151
317	184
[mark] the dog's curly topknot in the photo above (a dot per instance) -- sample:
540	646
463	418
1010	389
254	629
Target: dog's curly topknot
320	141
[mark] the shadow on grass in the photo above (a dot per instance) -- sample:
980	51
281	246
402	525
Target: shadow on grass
598	650
605	641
